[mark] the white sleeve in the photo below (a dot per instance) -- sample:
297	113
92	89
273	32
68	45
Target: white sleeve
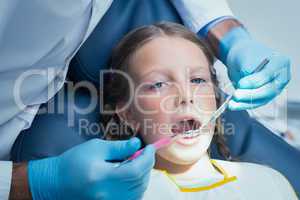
10	130
5	179
197	13
32	68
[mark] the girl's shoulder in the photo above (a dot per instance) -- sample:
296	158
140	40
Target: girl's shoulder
244	168
261	177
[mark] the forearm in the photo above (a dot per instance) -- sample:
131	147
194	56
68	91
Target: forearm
19	185
216	33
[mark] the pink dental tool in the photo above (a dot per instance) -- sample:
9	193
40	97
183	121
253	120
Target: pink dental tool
158	145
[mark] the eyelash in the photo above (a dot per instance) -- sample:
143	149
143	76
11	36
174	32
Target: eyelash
201	79
154	86
158	85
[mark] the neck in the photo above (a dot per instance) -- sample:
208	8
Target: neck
203	168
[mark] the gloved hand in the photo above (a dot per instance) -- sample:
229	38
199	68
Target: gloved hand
84	172
241	54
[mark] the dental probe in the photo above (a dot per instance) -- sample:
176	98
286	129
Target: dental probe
223	107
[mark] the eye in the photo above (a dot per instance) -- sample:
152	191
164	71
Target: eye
156	85
198	80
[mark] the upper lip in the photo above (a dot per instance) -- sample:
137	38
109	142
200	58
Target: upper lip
184	123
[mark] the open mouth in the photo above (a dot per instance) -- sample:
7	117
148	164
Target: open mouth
188	128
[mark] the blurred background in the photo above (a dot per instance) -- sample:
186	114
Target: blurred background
275	23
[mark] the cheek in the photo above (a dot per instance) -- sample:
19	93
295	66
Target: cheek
147	105
205	99
160	102
152	119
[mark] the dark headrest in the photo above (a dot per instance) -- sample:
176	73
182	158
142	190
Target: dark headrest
122	17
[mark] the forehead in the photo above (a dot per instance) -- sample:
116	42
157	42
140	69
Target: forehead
168	54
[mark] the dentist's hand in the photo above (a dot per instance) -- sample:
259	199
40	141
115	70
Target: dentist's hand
241	54
84	172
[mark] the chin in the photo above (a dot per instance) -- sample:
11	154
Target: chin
183	156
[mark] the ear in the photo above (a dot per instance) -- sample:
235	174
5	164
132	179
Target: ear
126	116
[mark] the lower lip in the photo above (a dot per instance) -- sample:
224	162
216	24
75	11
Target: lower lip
187	141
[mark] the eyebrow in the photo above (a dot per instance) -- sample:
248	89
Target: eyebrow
198	68
164	71
160	71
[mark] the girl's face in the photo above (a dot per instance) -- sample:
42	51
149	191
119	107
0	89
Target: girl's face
173	94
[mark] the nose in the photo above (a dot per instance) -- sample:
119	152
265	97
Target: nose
182	102
185	97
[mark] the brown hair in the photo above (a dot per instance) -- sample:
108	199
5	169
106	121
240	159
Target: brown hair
116	86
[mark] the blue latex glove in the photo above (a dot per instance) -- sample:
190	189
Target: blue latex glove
241	54
84	172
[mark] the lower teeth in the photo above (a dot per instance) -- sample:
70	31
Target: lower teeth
191	133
